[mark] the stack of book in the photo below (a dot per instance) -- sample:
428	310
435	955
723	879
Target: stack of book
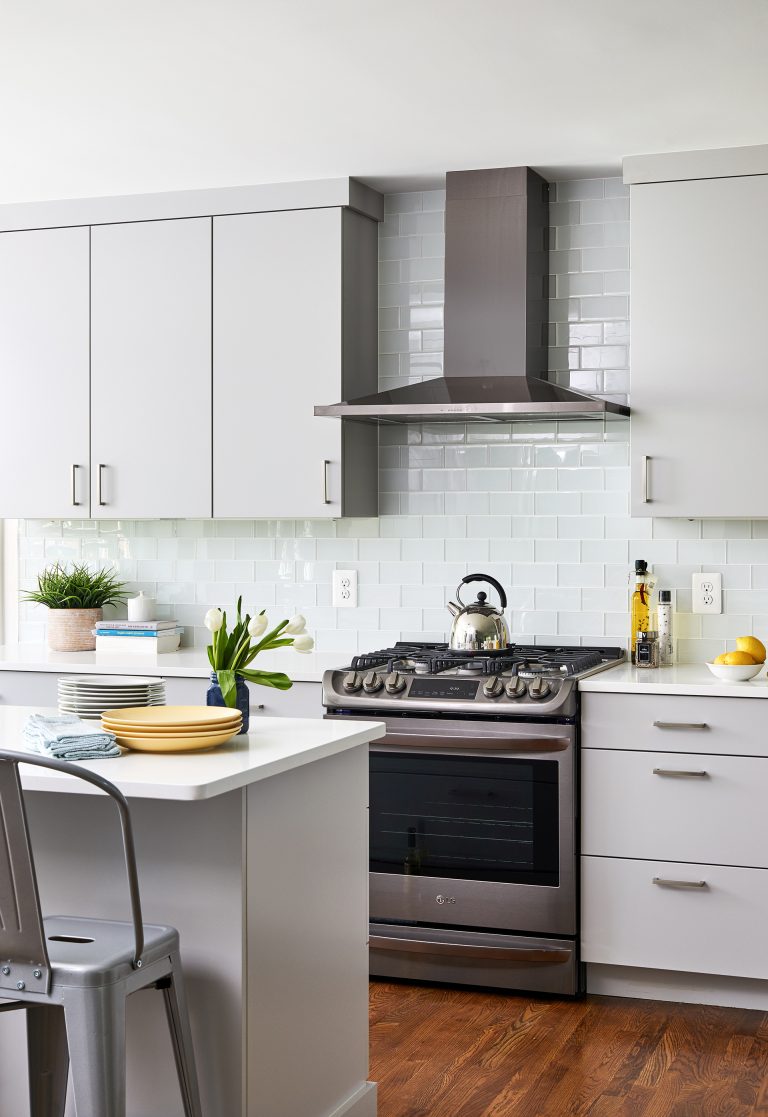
137	637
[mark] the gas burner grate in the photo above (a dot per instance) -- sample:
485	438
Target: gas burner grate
431	657
417	657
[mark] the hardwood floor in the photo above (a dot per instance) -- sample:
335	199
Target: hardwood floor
459	1053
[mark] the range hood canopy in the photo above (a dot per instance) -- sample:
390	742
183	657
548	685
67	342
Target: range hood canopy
496	315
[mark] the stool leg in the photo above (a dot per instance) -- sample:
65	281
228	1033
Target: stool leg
95	1019
48	1061
181	1037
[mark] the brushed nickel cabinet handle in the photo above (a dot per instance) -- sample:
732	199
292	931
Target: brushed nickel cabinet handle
646	482
326	498
681	773
680	725
75	501
101	473
666	882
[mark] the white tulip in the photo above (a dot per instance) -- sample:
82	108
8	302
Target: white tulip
295	625
258	625
303	643
214	619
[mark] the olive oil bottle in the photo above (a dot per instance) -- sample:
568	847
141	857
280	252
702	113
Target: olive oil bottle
640	603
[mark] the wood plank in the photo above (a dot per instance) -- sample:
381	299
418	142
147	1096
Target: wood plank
442	1052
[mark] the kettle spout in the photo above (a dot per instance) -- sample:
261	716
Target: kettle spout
453	608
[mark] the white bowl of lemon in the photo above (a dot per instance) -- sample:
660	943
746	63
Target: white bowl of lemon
741	665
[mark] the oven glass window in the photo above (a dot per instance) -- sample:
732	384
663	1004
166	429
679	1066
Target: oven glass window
474	818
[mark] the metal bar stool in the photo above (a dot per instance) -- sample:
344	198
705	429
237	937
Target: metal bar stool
72	975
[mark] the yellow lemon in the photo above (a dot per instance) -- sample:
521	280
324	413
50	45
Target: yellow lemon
738	659
721	659
752	646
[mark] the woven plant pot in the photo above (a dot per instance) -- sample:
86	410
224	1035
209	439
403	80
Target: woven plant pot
71	630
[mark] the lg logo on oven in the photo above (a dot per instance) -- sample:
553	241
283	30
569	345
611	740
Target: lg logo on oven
440	899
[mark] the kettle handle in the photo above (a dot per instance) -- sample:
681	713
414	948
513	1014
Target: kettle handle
491	582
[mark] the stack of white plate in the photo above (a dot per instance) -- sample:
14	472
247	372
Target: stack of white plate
89	696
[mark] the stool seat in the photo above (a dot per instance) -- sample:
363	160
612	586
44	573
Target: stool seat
100	951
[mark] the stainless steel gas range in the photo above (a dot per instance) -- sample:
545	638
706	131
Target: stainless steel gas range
473	829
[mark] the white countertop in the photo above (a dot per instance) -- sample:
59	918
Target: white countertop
684	678
189	663
273	745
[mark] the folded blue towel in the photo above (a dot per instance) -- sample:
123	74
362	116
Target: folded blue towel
66	737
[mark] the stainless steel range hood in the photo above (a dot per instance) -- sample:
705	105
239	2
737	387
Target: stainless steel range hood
496	315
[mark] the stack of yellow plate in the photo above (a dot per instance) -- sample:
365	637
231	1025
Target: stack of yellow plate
172	728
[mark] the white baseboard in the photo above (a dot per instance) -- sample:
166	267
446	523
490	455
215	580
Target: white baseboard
361	1104
669	985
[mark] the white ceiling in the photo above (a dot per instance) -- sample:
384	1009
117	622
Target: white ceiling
102	97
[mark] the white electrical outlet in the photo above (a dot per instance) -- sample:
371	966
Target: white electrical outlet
707	593
344	589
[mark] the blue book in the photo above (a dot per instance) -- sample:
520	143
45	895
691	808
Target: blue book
153	632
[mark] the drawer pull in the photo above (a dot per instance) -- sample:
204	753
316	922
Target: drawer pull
665	882
680	725
681	773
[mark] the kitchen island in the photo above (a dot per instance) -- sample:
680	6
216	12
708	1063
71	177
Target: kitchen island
257	852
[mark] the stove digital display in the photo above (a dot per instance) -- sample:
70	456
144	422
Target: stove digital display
444	688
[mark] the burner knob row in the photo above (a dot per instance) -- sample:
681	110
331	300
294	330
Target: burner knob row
537	688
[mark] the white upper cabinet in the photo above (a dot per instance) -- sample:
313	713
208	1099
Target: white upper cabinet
294	323
151	369
699	366
160	361
44	374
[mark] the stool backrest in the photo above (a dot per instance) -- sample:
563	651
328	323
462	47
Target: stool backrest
22	940
23	951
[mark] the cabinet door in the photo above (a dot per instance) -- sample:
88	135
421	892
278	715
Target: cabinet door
44	463
151	369
277	351
699	374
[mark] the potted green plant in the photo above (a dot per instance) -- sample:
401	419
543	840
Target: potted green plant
75	596
230	654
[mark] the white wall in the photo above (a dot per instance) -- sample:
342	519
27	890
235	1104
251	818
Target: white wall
108	98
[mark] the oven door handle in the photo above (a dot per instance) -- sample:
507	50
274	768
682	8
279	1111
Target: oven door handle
472	741
538	955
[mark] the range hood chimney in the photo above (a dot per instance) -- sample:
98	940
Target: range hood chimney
496	314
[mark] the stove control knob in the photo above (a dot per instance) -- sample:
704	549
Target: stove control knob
394	682
516	688
372	682
539	688
493	687
352	682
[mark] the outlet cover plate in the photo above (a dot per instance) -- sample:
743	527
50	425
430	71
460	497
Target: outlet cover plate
707	593
344	589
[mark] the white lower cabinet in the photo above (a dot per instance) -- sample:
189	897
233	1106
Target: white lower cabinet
717	928
679	806
675	834
40	688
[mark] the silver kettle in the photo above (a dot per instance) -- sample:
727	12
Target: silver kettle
479	626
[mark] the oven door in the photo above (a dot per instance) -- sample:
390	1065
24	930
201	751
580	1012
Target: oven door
472	824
